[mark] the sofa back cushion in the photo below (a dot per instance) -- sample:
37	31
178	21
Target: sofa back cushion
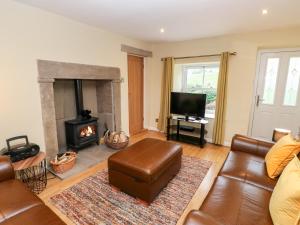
285	199
248	168
281	154
249	145
6	169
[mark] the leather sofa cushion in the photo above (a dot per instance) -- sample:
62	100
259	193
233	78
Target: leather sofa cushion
248	168
15	198
145	160
196	217
232	201
38	215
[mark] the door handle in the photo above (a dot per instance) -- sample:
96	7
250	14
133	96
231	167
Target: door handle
258	100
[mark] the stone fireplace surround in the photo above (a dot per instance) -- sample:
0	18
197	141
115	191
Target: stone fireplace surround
51	71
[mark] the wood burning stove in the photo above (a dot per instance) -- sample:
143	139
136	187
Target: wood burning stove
83	130
80	133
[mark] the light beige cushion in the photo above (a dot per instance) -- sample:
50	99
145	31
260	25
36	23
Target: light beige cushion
285	199
281	154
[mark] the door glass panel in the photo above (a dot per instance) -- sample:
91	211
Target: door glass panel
292	83
270	80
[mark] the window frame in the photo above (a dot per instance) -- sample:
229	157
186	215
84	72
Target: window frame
186	67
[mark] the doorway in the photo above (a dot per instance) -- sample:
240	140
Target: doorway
277	100
136	94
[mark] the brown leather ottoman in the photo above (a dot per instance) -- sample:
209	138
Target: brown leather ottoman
143	169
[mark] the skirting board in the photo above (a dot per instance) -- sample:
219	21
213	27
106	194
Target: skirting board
227	143
153	128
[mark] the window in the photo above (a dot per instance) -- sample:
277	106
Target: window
291	89
270	80
199	78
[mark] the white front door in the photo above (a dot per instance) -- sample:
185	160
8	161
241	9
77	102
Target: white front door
277	99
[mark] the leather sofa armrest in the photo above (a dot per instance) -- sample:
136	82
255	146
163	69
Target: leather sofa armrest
250	145
6	169
196	217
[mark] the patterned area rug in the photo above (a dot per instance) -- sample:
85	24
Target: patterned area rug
94	202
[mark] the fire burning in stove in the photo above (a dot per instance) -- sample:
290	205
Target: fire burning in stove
87	131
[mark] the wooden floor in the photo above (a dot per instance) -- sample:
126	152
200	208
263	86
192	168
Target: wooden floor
216	154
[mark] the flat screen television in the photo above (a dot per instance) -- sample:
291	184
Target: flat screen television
188	104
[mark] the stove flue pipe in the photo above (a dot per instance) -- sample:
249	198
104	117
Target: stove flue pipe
78	97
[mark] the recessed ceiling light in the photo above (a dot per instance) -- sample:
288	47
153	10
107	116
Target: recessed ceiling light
162	30
264	11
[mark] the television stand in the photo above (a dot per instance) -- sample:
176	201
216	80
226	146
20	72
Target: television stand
187	128
193	135
188	118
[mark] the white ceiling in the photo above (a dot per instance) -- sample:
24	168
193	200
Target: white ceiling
181	19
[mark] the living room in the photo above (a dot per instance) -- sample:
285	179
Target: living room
129	59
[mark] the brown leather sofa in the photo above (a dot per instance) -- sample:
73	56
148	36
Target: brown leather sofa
241	193
18	205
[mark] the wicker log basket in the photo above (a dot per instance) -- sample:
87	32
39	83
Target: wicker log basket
63	162
116	140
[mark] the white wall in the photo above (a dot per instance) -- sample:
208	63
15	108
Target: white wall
28	34
241	69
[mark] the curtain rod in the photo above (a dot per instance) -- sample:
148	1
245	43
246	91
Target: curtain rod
199	56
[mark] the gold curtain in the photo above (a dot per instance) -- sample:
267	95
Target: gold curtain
219	123
166	88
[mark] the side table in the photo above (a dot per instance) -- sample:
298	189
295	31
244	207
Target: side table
33	172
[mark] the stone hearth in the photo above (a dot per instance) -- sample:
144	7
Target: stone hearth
105	104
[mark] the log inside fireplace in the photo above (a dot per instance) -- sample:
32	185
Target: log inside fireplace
83	130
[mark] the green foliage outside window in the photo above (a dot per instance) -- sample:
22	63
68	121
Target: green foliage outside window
203	79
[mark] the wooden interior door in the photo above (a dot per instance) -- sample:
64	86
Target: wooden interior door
136	94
